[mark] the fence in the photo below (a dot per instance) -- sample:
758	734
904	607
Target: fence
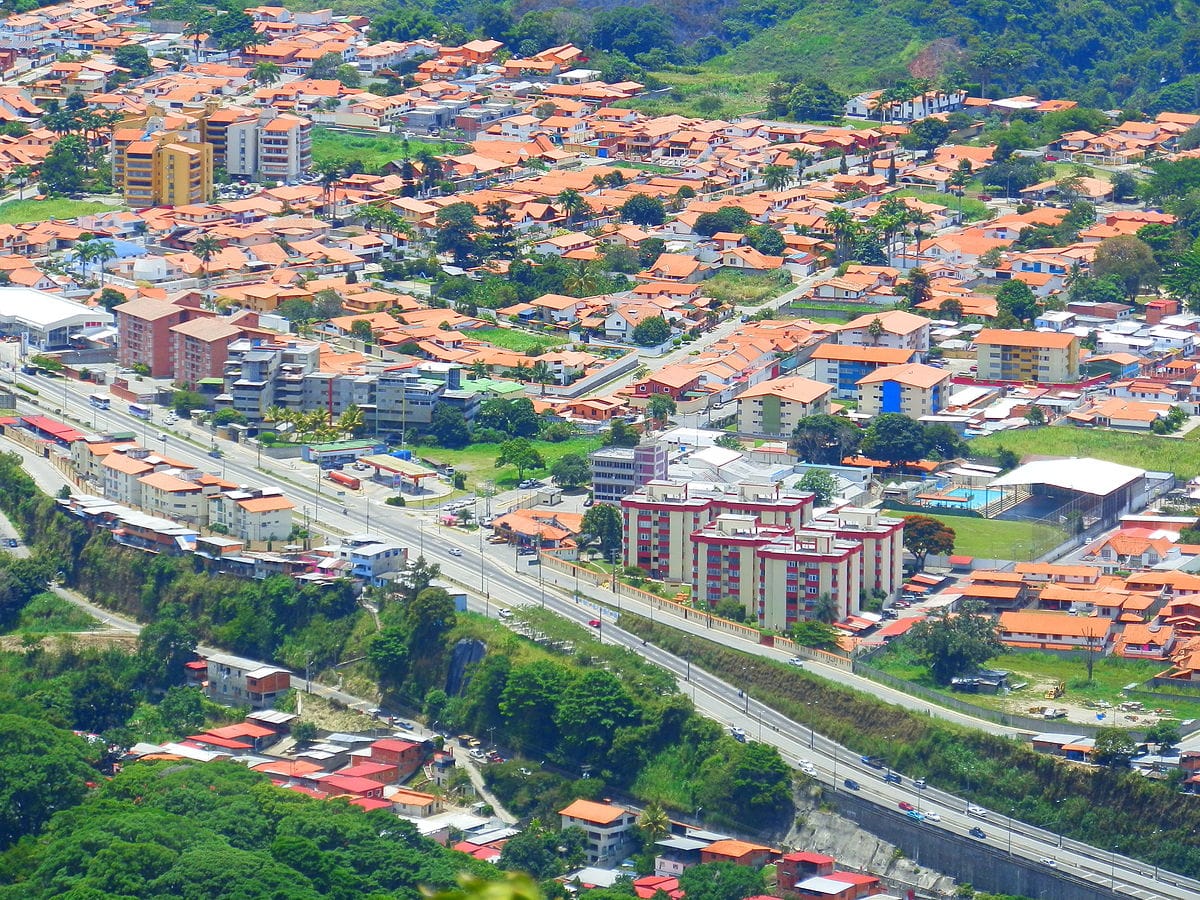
682	610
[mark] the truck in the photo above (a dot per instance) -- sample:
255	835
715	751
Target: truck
345	480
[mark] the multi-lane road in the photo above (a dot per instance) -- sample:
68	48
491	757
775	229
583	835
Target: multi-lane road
496	578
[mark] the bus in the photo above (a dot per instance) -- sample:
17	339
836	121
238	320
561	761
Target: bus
142	412
100	401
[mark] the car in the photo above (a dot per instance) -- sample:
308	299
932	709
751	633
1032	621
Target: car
738	734
977	832
1048	861
524	771
851	784
476	753
795	661
407	726
985	197
875	762
890	614
454	551
973	810
374	711
902	604
594	623
919	784
214	453
527	483
892	778
933	817
588	501
906	806
13	542
915	816
505	614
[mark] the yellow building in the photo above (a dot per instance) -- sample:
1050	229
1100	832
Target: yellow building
166	170
1044	357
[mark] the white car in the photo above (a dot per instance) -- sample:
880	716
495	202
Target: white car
795	661
454	551
932	817
977	811
1047	861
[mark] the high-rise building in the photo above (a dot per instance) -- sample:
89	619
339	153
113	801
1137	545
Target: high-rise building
619	471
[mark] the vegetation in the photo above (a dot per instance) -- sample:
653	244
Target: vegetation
478	460
1147	451
746	288
1000	538
518	341
1091	805
372	150
955	645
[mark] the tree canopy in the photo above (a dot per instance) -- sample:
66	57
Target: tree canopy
958	644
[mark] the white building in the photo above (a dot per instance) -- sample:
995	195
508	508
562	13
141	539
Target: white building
253	515
609	829
48	321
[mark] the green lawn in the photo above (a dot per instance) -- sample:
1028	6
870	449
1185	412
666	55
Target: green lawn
708	93
373	150
1146	451
1039	671
479	460
47	613
16	212
973	210
746	288
517	341
1001	539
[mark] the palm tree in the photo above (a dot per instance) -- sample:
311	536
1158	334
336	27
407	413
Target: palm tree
197	25
802	158
776	178
654	823
331	173
541	374
479	369
584	280
351	422
572	204
205	248
841	227
104	251
919	217
265	73
84	252
21	175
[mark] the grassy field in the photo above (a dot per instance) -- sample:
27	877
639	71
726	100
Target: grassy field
707	93
1146	451
1000	539
1040	671
517	341
16	212
479	460
746	288
48	613
372	150
973	210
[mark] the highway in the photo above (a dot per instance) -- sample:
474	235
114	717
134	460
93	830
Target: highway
490	574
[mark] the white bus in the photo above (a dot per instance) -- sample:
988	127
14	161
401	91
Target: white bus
142	412
100	401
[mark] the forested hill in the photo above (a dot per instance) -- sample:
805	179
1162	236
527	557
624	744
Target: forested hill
1101	52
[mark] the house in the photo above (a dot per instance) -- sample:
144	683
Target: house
1054	631
914	389
774	408
741	853
793	868
609	829
236	681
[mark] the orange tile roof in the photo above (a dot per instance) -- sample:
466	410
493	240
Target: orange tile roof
1007	338
588	811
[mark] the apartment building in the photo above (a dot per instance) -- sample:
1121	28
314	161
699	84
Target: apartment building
775	408
200	347
610	829
144	333
1042	357
253	514
619	471
284	148
172	169
661	517
236	681
893	328
882	538
173	495
778	575
371	559
914	389
842	366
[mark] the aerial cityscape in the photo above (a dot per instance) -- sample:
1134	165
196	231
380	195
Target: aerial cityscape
507	451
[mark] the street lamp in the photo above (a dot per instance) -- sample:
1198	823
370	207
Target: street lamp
1011	810
1112	875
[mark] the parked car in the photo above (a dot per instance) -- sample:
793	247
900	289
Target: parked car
906	806
13	542
977	832
851	784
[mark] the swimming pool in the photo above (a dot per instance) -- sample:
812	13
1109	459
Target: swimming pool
976	498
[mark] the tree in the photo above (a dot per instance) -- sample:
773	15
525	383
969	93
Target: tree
182	709
926	134
1129	260
61	173
1164	733
571	471
348	75
826	440
651	331
924	535
1016	298
721	881
529	702
1114	748
730	608
621	434
819	482
641	209
449	427
521	454
660	407
110	298
604	522
776	177
265	74
455	232
418	575
649	250
592	708
1183	279
654	823
727	218
766	239
894	438
325	67
134	58
953	645
1035	416
164	647
730	442
810	633
43	769
205	248
1124	186
361	330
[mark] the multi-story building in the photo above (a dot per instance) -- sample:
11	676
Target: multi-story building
173	495
776	573
371	559
122	473
284	148
882	539
842	366
245	682
199	348
774	408
619	471
893	328
1043	357
660	518
609	829
169	169
253	515
144	333
914	389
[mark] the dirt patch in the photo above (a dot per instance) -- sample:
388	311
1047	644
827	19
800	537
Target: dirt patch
54	642
329	717
932	61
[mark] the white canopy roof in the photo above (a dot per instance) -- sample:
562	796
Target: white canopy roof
1087	476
